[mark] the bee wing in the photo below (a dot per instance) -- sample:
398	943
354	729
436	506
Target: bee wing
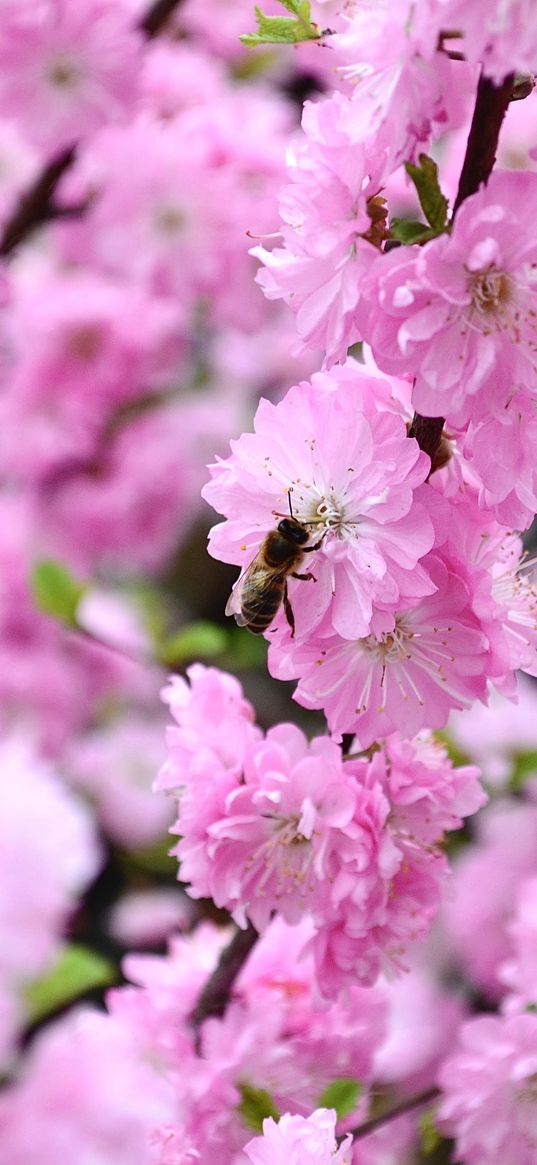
252	586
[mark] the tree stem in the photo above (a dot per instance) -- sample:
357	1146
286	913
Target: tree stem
217	991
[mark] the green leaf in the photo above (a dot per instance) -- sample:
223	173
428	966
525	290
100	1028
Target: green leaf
201	640
255	1106
524	766
77	971
430	1136
433	203
283	29
55	590
342	1094
409	231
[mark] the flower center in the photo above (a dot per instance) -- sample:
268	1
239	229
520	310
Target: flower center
489	290
389	646
63	73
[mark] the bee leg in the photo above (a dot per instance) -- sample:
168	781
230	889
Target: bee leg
303	577
288	610
310	549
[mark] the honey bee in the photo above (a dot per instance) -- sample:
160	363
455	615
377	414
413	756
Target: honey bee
262	587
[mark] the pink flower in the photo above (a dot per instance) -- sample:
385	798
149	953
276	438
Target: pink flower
459	312
412	668
519	972
350	474
403	89
302	1140
488	1085
503	37
67	69
330	227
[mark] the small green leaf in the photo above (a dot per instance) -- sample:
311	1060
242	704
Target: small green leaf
342	1094
524	766
201	640
430	1136
56	591
77	971
433	203
256	1105
409	231
283	29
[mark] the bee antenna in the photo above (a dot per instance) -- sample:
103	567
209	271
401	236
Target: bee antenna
290	505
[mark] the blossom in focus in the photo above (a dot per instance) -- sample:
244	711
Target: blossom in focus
350	474
460	312
302	1140
333	222
489	1091
66	69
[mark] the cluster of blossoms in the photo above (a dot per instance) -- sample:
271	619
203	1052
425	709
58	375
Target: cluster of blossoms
271	824
419	599
131	344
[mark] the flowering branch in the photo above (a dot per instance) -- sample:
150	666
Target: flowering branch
37	206
391	1114
489	112
217	991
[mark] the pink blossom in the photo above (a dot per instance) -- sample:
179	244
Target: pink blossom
146	918
519	972
493	736
302	1140
350	473
67	69
331	225
502	37
84	1091
484	885
116	767
488	1084
49	855
412	668
459	311
215	727
404	91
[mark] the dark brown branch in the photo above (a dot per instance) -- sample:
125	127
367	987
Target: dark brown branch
489	112
36	206
217	991
490	109
391	1114
157	16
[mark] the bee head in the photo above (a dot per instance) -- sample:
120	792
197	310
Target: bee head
294	531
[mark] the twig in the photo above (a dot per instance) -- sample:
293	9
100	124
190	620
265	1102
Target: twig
490	109
157	16
391	1114
217	991
36	206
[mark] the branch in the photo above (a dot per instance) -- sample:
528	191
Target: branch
157	16
36	206
217	991
391	1114
489	112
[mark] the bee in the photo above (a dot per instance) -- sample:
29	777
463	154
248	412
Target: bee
262	587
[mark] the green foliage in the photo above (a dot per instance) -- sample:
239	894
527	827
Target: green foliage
430	1136
200	640
77	971
255	1106
55	591
284	29
342	1094
433	203
524	766
407	230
